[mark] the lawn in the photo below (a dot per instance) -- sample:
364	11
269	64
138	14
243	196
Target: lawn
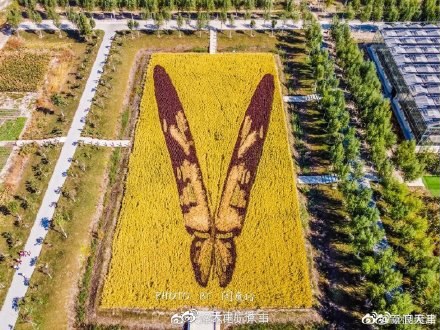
25	189
11	129
433	184
47	306
242	41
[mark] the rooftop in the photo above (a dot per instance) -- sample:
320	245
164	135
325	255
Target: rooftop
415	49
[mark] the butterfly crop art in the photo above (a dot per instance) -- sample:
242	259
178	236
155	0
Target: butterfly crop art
213	229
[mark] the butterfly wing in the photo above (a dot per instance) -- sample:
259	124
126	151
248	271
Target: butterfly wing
245	158
182	151
240	178
187	173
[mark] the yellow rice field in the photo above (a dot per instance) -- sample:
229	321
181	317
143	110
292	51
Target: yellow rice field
151	266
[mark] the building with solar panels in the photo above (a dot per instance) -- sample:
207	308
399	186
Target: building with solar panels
407	57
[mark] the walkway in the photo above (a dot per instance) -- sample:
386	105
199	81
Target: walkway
4	37
212	41
239	24
317	179
301	98
330	178
20	281
57	140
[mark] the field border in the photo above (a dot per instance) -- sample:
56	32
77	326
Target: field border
160	319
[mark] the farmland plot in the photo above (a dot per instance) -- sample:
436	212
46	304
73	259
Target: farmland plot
210	213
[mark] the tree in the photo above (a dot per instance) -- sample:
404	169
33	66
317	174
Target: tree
92	23
83	24
56	21
273	25
36	18
130	25
14	17
225	5
366	13
60	221
14	208
231	24
136	27
223	18
201	23
249	4
166	14
236	4
179	22
88	5
46	270
407	161
266	16
252	25
349	12
158	21
430	11
108	5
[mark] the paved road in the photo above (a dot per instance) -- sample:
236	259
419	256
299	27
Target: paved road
260	24
301	98
84	140
20	281
212	41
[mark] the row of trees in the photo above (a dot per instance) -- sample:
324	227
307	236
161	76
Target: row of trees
84	23
157	5
409	224
376	10
377	264
375	111
394	10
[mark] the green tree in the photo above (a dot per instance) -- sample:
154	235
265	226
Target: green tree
166	14
201	23
179	22
377	12
82	22
407	161
273	24
223	18
366	13
158	21
36	18
14	17
349	12
430	11
130	25
231	24
252	25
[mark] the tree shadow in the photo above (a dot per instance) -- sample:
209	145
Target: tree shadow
341	300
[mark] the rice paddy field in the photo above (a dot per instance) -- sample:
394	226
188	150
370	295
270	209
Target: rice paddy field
210	213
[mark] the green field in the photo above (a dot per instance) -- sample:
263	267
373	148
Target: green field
11	129
433	184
